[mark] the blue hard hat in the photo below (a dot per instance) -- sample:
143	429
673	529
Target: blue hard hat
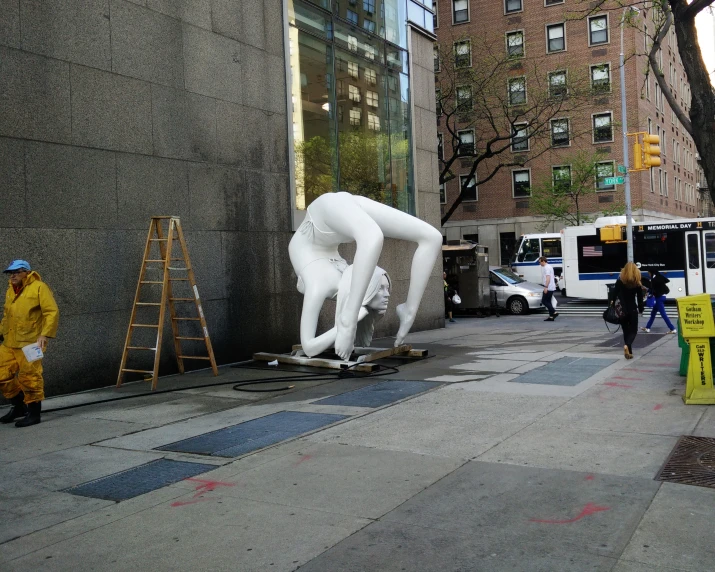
18	265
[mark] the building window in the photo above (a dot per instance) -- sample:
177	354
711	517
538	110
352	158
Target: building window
370	52
512	6
557	84
552	2
369	25
460	11
521	182
368	6
598	30
470	193
435	19
354	93
438	102
560	136
517	91
436	58
352	43
602	128
603	170
355	116
373	121
462	54
515	44
464	99
520	138
352	17
601	78
440	146
353	70
370	77
555	38
561	177
466	143
442	194
371	98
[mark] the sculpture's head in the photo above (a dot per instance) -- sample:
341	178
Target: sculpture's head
376	300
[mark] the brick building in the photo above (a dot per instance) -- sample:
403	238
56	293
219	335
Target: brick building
551	32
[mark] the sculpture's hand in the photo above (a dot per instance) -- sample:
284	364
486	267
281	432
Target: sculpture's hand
345	338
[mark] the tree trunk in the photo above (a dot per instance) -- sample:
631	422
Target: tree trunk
702	109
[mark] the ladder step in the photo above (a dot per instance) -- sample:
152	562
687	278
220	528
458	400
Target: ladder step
158	239
195	357
191	319
182	299
188	338
152	282
140	348
145	325
148	304
158	260
139	370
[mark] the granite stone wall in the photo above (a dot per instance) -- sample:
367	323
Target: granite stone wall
112	111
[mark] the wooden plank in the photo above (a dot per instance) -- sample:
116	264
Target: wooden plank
315	362
384	353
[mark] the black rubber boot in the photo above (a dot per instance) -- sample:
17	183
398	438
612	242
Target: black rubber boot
33	415
18	409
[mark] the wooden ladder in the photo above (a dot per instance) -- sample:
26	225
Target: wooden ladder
165	243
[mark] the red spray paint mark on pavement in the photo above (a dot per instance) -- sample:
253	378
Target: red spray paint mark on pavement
636	369
658	407
204	487
614	384
590	477
628	378
303	459
589	509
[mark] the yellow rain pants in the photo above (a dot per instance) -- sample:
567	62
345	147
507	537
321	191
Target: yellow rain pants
17	374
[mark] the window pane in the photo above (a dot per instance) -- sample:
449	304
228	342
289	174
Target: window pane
556	38
561	178
461	10
520	138
517	91
313	123
602	127
515	44
513	6
599	30
601	78
466	143
560	132
400	183
693	252
604	170
710	249
522	184
557	84
470	193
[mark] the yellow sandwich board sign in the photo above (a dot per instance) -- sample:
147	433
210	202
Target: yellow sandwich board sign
697	327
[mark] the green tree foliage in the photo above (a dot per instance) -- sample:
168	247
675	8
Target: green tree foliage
562	196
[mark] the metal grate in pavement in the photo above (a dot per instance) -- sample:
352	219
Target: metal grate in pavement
379	394
568	371
691	462
253	435
139	480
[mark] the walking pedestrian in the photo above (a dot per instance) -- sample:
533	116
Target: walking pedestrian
549	281
658	290
629	291
448	293
30	315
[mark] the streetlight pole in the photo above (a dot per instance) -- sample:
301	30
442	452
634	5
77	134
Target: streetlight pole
624	120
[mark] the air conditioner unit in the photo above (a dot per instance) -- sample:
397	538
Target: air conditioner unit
697	156
697	186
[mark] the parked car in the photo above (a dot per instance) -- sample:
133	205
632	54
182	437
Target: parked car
513	292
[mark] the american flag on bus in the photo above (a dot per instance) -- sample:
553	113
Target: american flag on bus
593	251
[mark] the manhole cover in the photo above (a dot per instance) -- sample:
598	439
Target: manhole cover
692	462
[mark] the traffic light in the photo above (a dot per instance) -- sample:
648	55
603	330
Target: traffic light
651	151
637	156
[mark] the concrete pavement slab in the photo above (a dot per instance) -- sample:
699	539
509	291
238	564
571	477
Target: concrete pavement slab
676	530
340	479
442	423
629	566
58	432
604	452
220	533
397	547
456	378
488	365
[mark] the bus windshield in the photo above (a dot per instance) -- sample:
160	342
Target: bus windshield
529	251
508	276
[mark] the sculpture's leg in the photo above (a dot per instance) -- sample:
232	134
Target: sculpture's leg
400	225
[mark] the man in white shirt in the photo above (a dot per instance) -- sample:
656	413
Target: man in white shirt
549	281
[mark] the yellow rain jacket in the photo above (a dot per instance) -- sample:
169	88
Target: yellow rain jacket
29	314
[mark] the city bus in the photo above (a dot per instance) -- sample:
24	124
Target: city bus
683	250
531	247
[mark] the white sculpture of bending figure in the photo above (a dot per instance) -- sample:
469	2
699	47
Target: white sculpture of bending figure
338	218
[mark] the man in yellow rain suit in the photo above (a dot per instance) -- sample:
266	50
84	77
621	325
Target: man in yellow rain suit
30	316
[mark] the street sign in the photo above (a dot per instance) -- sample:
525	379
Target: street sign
614	180
621	168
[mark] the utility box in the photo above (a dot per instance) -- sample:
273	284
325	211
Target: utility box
467	266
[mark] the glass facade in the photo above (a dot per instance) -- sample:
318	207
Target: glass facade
350	94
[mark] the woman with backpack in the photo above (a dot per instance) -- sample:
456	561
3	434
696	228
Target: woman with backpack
658	290
629	292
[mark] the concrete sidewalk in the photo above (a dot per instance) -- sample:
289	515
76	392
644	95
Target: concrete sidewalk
534	447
